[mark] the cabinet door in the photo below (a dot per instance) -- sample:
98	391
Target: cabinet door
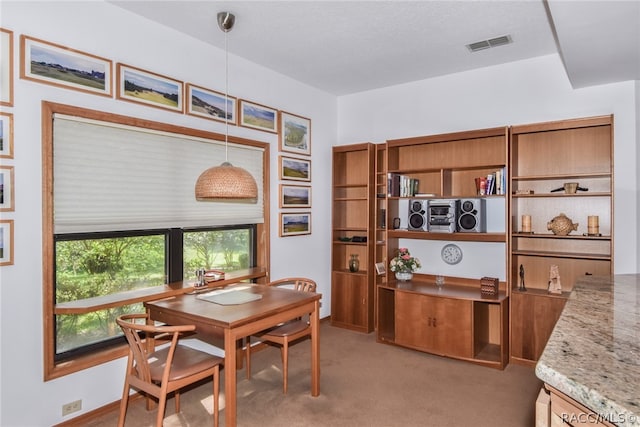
434	324
349	300
533	318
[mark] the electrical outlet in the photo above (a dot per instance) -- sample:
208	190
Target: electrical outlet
69	408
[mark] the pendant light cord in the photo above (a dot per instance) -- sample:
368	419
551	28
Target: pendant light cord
226	98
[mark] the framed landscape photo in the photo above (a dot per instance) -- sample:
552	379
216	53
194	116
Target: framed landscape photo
295	196
380	268
6	135
210	104
145	87
295	169
258	116
295	133
7	192
295	224
58	65
6	67
6	241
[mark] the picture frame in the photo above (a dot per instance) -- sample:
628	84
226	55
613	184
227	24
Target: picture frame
6	135
61	66
295	223
257	116
7	189
295	196
295	133
145	87
295	169
380	268
6	242
209	104
6	67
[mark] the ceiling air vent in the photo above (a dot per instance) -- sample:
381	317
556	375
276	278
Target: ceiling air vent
486	44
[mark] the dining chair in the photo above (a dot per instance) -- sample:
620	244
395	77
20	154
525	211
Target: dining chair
165	370
285	333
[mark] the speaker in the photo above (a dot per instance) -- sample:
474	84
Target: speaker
471	216
418	215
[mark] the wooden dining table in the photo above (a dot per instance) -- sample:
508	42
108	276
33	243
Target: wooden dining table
231	318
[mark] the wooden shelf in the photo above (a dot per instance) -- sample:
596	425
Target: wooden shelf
468	237
561	176
545	156
584	194
572	255
353	214
554	236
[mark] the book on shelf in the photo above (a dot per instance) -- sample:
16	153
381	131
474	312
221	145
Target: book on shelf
399	185
492	183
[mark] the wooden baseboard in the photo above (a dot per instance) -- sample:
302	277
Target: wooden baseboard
84	419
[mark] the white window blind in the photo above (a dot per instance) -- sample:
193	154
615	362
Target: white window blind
110	177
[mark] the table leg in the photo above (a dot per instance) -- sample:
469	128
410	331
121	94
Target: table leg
315	350
230	378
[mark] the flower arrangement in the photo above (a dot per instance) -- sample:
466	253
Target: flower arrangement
404	261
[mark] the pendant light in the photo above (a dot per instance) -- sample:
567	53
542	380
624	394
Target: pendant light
226	182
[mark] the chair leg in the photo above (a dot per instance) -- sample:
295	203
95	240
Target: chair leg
247	356
285	365
176	396
216	396
162	403
124	402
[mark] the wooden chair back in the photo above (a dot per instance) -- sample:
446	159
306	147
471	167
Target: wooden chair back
298	283
166	370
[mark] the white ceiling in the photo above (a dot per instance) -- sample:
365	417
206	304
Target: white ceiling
344	47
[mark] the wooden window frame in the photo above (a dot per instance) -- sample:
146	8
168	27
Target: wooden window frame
259	273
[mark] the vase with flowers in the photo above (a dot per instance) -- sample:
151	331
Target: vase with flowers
403	265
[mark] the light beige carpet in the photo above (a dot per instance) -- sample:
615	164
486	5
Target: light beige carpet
363	383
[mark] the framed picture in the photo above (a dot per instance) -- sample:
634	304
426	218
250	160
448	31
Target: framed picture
57	65
6	135
209	104
295	224
295	196
380	268
145	87
258	116
295	169
6	241
7	192
6	67
295	133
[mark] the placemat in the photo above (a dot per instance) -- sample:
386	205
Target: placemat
231	297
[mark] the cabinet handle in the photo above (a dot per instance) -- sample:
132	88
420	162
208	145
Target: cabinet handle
434	322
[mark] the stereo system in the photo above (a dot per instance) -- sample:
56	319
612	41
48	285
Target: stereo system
447	215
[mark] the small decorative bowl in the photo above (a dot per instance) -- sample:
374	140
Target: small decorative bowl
570	187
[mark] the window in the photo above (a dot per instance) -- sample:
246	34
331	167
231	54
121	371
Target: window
101	264
122	228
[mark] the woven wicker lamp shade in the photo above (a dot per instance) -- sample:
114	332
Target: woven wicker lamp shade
226	182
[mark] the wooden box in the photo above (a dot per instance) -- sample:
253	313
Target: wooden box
489	286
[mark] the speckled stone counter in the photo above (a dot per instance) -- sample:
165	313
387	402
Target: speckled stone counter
593	354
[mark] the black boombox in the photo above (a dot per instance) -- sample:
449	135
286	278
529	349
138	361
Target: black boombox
447	215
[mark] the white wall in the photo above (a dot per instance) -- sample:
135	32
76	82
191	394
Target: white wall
522	92
111	32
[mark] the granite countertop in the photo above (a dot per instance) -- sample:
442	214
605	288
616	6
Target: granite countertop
593	354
